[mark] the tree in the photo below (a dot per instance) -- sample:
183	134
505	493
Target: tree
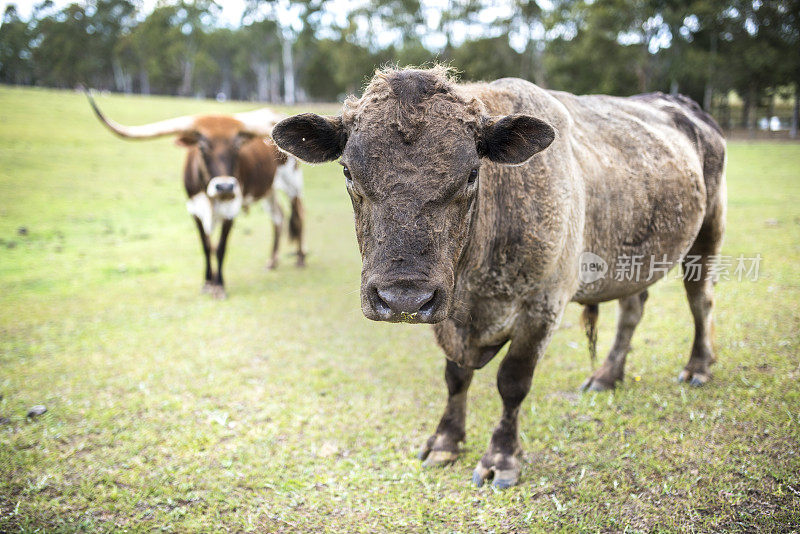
109	21
588	55
487	59
16	64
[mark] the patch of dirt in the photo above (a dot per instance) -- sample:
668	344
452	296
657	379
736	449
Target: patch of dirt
764	512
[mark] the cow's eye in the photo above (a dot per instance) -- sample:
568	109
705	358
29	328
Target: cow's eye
346	173
473	175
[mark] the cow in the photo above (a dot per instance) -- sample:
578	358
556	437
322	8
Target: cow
230	163
475	204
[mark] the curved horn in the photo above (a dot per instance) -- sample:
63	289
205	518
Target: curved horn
145	131
259	122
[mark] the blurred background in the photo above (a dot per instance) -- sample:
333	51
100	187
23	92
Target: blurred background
740	59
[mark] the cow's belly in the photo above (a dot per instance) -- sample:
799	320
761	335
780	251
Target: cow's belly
635	236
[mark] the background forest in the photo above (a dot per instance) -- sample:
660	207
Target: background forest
726	54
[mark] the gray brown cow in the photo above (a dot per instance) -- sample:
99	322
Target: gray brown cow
464	220
231	162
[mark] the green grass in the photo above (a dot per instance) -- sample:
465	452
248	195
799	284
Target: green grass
283	409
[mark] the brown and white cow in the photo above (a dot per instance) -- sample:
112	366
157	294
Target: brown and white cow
230	163
474	205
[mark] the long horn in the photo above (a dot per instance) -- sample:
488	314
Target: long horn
145	131
259	122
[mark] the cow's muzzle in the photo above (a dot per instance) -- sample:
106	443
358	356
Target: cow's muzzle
222	187
406	301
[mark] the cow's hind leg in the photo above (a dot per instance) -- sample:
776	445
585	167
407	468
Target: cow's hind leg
699	280
296	229
276	214
613	369
442	447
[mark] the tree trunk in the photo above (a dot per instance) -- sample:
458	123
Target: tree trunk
751	107
708	94
795	111
537	61
144	82
186	83
120	79
261	69
708	97
288	73
641	78
227	84
771	106
274	82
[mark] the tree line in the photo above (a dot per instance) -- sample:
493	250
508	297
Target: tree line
301	50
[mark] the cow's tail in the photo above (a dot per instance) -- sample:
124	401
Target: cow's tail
589	321
296	219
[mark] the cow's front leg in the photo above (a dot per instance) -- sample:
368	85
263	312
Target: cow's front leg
513	382
206	244
218	291
442	447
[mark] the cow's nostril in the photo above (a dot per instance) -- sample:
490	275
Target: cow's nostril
429	306
379	304
405	300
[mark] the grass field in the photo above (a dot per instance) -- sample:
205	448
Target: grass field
283	409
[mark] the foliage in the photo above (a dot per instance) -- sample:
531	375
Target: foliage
703	48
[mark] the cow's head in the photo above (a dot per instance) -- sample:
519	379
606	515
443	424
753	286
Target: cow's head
217	138
411	150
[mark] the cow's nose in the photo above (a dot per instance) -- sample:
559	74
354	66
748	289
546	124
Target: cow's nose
407	303
224	187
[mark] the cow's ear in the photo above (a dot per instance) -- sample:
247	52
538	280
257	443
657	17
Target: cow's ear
187	139
310	137
514	138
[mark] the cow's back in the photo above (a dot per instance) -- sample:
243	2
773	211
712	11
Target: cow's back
625	178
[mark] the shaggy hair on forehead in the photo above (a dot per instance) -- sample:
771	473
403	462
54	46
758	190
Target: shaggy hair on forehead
410	99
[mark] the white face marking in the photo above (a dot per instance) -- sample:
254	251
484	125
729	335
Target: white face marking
225	208
220	185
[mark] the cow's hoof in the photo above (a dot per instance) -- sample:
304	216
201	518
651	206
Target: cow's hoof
478	477
208	288
504	483
595	384
272	265
218	293
301	262
438	451
439	458
695	379
501	478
